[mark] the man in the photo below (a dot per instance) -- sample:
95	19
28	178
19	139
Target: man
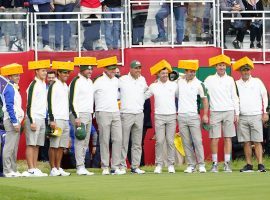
224	107
36	114
132	88
108	116
253	103
44	150
179	11
81	102
51	75
13	116
164	92
189	88
112	27
58	108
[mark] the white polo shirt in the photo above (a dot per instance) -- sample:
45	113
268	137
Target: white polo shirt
81	95
187	96
164	94
106	94
132	94
58	100
253	96
222	92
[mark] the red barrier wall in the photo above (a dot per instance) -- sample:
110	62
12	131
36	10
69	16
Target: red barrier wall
148	57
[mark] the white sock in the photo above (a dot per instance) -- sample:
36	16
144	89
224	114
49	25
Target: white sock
31	170
214	158
227	157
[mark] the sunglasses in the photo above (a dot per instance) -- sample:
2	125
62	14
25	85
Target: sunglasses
65	72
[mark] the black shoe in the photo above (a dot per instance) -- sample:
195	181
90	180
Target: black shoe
247	168
159	39
236	44
252	45
177	43
186	39
198	39
259	45
261	168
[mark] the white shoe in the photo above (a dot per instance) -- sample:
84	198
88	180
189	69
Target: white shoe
39	173
123	170
137	171
18	174
26	174
63	173
117	172
106	171
11	175
190	169
55	172
47	48
171	169
83	171
158	169
202	169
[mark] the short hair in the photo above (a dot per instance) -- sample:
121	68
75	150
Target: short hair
51	72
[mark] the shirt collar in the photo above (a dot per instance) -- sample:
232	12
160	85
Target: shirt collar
249	79
225	75
38	80
81	76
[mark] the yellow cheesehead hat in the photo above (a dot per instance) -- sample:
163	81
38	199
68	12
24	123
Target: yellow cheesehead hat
243	63
159	66
219	59
11	69
110	63
188	64
40	64
59	65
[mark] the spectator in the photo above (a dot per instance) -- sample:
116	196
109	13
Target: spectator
194	17
179	11
112	28
42	6
91	30
62	27
10	28
256	25
139	16
233	5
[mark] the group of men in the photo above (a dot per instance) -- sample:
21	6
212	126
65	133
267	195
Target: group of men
241	104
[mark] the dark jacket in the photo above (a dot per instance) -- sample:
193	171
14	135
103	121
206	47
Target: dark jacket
112	3
248	6
7	3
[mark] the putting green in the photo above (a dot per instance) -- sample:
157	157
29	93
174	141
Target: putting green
149	186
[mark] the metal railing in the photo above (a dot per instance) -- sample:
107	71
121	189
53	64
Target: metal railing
32	22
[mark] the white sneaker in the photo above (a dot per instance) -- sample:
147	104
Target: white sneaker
137	171
105	171
26	174
123	170
39	173
63	173
11	175
18	174
55	172
158	169
190	169
83	171
47	48
117	172
171	169
202	169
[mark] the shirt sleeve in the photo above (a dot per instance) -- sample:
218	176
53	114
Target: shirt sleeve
149	92
202	90
73	92
264	96
9	95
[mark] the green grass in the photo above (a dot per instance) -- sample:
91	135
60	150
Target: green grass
139	187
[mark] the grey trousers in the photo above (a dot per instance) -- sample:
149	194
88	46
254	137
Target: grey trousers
132	126
165	126
10	148
190	131
81	146
109	126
